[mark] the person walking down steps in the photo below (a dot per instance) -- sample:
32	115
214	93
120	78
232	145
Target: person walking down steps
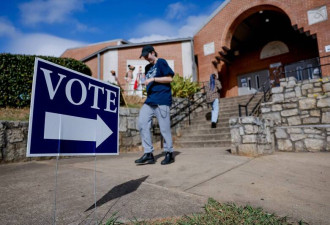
159	99
212	89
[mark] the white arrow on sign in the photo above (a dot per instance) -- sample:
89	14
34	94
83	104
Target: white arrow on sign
73	128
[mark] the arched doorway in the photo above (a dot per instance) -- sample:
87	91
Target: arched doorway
263	43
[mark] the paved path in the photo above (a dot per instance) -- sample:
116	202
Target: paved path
288	184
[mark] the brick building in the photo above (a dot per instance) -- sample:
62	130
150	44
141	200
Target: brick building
117	55
249	42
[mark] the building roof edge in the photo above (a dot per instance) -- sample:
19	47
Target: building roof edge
135	45
101	42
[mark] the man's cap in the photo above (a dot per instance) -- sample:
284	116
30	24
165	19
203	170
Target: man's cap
146	50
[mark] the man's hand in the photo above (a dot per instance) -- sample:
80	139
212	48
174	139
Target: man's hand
163	80
149	80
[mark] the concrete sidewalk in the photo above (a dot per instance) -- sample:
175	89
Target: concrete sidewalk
296	185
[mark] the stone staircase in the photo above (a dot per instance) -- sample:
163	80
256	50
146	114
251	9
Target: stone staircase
200	134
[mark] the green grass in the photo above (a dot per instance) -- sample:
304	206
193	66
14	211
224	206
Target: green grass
217	213
131	105
14	114
23	114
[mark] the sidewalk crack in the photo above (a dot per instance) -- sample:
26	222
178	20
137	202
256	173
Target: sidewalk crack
211	178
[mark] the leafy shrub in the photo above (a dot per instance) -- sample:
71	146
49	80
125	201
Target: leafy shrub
16	74
183	87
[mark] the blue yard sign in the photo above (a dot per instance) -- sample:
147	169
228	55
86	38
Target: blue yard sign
71	113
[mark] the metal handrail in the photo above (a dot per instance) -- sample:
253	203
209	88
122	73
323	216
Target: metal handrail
266	97
183	109
312	67
267	94
191	105
252	97
187	104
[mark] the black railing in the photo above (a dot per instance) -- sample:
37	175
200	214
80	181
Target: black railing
278	73
184	108
181	110
264	98
313	71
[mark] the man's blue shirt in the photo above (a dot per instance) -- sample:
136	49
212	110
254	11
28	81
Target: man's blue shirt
158	93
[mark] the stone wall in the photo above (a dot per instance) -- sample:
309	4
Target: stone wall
300	115
129	136
13	135
299	103
302	139
251	136
13	140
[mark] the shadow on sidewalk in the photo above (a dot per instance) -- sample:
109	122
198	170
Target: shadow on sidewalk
119	191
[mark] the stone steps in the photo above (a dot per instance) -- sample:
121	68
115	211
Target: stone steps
204	121
203	144
200	134
209	130
207	125
206	137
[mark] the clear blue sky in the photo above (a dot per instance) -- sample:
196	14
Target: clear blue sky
48	27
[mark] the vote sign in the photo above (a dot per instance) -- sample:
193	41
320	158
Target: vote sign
71	113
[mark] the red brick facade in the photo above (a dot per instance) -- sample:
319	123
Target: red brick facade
304	41
221	27
167	51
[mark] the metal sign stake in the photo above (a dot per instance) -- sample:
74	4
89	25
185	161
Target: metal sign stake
95	190
55	189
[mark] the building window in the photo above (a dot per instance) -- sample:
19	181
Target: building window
310	71
299	75
273	48
258	82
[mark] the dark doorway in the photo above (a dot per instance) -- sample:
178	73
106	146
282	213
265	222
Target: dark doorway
264	38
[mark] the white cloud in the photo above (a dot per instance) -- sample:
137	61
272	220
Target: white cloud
41	44
49	11
153	37
157	30
157	26
192	24
7	29
54	11
83	28
18	42
176	10
178	24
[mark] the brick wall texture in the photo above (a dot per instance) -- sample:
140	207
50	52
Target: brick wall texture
307	41
170	51
221	27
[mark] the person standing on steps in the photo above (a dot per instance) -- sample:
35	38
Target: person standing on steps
212	89
159	99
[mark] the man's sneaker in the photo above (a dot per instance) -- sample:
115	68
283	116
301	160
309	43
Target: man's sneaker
213	125
147	158
168	158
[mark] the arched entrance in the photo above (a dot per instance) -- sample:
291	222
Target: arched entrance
263	43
